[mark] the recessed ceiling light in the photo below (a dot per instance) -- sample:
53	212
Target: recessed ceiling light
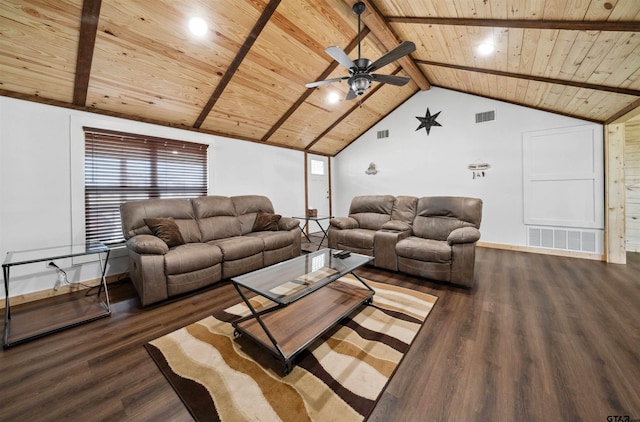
198	26
486	48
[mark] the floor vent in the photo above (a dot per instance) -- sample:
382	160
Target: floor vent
485	116
383	134
565	239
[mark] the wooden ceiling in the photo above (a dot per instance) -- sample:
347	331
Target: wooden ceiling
246	77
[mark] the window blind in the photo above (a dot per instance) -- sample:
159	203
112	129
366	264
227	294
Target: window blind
121	167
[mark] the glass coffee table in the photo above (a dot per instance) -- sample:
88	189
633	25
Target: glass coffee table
306	300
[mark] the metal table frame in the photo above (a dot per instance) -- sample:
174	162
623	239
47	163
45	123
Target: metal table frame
317	219
366	296
50	254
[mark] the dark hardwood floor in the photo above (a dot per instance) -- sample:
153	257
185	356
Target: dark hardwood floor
539	338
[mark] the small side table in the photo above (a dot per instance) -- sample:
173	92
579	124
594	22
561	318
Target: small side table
62	314
317	219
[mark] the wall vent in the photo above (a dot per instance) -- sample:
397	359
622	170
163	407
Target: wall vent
485	116
383	134
565	239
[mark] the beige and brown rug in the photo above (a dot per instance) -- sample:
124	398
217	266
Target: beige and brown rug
339	378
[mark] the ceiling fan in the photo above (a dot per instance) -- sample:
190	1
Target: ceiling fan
360	76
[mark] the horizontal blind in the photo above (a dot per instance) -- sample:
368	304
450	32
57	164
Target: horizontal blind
121	167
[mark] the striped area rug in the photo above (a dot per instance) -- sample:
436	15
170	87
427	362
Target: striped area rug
339	378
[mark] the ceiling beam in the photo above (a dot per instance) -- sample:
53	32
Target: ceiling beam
380	28
584	85
324	75
629	112
86	43
237	60
625	26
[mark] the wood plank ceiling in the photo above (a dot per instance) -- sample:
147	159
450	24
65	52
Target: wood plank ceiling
245	78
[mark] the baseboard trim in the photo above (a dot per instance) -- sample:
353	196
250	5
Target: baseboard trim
543	251
64	289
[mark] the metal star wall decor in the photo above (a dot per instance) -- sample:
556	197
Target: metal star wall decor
428	121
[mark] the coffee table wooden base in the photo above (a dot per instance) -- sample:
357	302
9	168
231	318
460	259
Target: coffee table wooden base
296	326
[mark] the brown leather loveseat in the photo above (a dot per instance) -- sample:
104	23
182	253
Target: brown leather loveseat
431	237
179	245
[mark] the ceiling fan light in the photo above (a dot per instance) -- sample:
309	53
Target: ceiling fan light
360	85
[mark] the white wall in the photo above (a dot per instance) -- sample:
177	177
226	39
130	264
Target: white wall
411	163
42	179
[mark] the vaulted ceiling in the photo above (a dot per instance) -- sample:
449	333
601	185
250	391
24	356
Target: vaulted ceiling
245	78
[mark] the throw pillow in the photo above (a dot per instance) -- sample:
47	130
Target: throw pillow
266	221
166	229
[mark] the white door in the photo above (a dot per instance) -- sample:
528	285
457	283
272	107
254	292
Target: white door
318	189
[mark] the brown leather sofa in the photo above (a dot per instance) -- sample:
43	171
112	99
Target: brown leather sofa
431	237
219	237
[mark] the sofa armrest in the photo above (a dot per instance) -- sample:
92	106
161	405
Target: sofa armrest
147	244
463	235
344	223
384	245
396	225
287	223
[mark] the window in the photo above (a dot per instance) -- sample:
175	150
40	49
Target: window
122	167
317	167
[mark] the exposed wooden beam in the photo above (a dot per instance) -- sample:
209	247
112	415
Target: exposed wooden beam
324	75
380	28
585	85
86	44
625	26
237	60
629	112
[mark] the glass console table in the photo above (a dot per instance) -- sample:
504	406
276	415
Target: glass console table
317	219
64	311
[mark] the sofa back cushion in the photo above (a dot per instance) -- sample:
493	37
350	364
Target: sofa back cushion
133	213
216	217
371	211
437	216
247	207
404	209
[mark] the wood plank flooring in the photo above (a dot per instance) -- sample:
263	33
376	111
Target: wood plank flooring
539	338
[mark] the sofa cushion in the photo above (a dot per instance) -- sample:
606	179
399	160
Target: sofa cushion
421	249
191	257
133	214
273	240
265	222
371	211
239	247
166	229
404	209
438	216
356	238
217	217
247	207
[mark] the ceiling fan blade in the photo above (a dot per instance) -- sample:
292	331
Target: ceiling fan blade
391	79
340	56
402	50
326	81
351	94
